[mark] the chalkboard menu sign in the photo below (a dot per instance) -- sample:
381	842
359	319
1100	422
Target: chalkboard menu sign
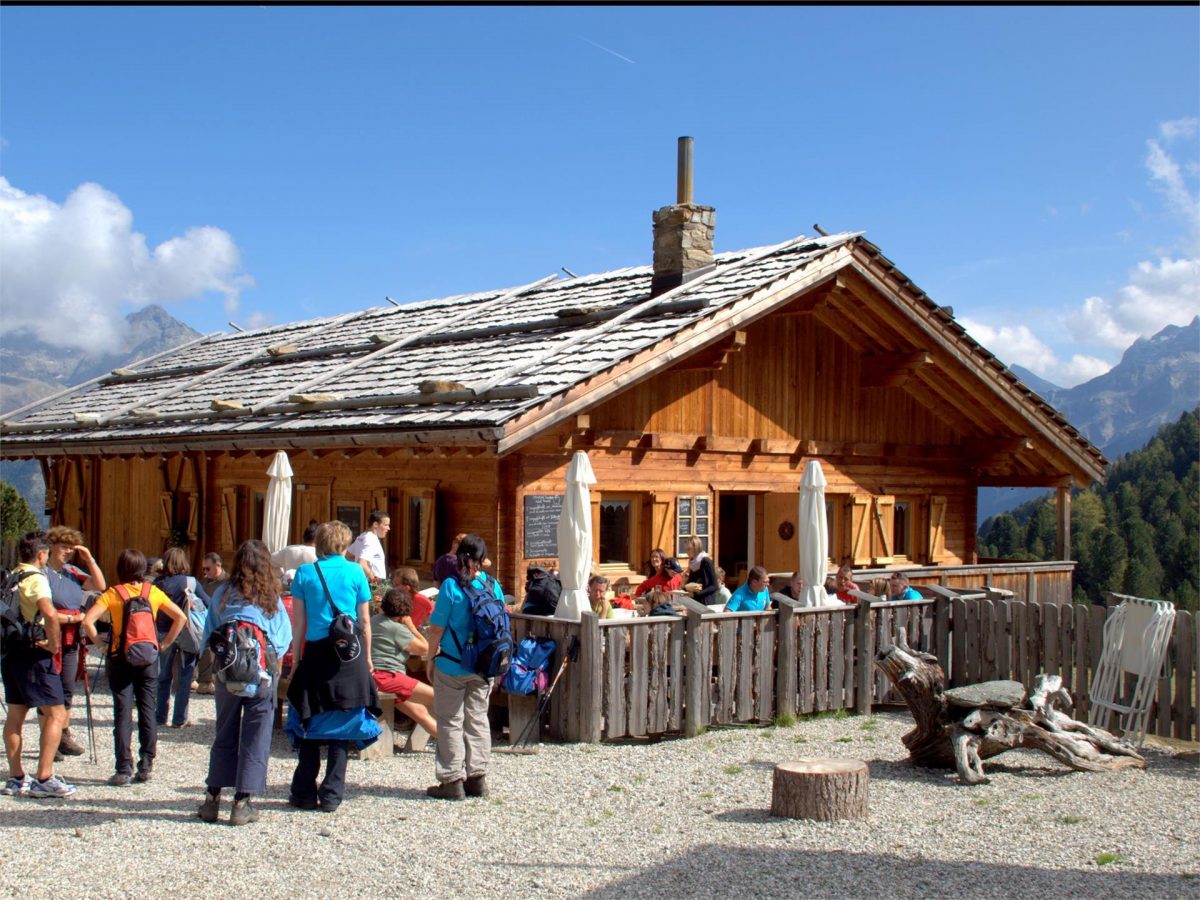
542	512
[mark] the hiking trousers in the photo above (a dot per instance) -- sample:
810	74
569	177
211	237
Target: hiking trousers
242	746
464	738
129	685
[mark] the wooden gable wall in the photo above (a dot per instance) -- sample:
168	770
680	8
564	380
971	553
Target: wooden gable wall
794	378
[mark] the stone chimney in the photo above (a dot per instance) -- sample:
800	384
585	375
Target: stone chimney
683	233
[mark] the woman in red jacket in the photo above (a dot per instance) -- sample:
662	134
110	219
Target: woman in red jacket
661	576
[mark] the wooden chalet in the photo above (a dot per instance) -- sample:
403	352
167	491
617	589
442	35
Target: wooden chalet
699	388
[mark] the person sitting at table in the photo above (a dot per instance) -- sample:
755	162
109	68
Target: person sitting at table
899	588
753	595
622	597
701	574
661	575
394	637
597	591
405	578
657	602
723	592
843	584
794	588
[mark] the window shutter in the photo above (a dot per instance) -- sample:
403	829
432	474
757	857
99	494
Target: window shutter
165	502
937	530
860	529
883	510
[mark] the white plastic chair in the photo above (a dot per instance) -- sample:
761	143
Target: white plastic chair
1136	637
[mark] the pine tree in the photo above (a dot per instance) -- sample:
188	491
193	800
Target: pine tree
15	516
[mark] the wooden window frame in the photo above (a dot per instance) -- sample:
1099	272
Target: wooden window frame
685	523
637	503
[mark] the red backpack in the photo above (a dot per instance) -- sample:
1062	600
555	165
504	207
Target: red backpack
138	643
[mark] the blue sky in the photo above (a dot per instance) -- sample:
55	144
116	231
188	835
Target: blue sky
1036	169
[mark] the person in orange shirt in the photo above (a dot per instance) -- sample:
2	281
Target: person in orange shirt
127	679
661	575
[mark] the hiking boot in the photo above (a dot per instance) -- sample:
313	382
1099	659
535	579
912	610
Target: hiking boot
120	779
17	787
447	790
144	772
243	812
68	745
206	689
302	803
477	786
58	756
210	807
51	787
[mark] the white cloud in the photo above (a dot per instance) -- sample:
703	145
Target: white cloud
1177	128
1162	291
1018	345
81	264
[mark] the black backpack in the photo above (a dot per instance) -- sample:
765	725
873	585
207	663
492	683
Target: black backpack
14	630
243	659
542	591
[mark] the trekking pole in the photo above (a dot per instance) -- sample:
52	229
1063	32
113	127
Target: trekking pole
571	654
91	728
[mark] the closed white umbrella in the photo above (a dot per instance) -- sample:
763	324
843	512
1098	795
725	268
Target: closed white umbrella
575	539
277	517
814	535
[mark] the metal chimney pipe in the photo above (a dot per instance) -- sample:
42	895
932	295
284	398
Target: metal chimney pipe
683	191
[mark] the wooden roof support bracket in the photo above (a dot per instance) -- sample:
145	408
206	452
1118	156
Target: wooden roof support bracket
892	369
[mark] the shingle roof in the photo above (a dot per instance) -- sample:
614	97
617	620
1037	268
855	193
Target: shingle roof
470	339
509	350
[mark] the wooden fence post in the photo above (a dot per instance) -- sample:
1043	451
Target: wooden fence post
864	656
591	668
785	659
695	711
941	632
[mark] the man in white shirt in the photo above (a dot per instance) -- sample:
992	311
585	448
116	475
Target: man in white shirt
368	546
293	556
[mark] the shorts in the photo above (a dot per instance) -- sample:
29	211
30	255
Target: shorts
395	683
31	679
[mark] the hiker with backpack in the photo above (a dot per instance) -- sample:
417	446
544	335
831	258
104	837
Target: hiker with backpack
133	660
29	668
248	615
68	582
332	698
471	643
189	595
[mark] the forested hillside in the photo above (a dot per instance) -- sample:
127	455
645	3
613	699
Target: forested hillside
1137	533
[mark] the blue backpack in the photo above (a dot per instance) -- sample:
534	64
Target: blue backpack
489	648
529	666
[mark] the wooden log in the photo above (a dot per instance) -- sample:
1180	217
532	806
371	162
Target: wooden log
821	789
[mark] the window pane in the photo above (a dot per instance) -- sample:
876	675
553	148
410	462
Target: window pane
614	531
701	526
702	506
681	547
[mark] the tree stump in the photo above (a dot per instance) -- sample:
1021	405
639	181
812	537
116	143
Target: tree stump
823	789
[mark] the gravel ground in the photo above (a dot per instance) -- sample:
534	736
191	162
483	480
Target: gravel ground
677	818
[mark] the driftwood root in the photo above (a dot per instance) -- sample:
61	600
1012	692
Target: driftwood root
961	738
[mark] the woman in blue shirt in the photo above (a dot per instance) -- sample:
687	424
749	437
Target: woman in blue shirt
331	702
460	697
242	745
